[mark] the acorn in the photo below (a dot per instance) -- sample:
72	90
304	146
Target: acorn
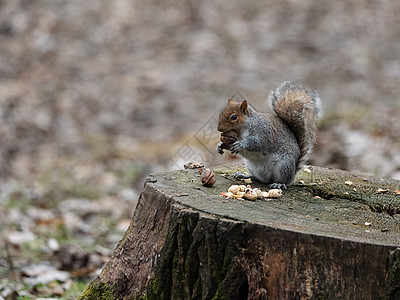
207	177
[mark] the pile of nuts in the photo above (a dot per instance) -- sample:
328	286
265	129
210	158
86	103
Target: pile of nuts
249	193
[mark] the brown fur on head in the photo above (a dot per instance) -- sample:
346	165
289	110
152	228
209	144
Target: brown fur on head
232	116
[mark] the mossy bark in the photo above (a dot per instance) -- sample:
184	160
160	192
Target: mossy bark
186	242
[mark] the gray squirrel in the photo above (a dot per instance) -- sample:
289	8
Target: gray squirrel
273	145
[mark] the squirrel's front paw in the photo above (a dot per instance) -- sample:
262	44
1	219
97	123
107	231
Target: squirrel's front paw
236	147
220	148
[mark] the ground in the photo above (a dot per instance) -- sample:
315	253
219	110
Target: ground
95	95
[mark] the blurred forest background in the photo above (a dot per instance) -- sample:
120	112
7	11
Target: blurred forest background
95	95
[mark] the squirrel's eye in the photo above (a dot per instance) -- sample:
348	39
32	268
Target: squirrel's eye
234	117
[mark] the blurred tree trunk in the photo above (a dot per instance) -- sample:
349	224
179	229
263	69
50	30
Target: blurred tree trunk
185	242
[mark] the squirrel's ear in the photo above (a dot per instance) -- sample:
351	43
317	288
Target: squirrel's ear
230	101
243	107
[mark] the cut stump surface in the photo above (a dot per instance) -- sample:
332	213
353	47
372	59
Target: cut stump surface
332	235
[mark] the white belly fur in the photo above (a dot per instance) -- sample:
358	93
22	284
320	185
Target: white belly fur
265	167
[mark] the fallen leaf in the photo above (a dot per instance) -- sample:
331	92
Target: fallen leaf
16	238
36	269
381	191
7	292
53	244
44	274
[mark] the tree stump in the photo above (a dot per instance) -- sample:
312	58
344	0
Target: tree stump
333	235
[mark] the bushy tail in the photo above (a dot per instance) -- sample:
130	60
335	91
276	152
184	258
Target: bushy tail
298	107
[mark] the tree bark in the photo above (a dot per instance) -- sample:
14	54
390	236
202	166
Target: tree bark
333	235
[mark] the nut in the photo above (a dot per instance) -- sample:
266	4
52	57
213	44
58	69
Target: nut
207	177
250	195
228	137
258	192
264	195
247	180
193	165
234	189
274	193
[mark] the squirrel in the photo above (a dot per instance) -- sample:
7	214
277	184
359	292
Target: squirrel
273	145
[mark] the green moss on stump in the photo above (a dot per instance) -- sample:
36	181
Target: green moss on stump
97	291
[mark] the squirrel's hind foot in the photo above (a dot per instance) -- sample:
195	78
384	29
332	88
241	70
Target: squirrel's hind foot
276	185
241	175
